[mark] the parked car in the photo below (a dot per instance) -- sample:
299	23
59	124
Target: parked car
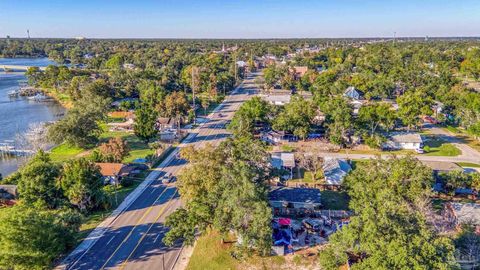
419	150
429	119
312	225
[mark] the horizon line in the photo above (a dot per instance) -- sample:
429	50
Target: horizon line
240	38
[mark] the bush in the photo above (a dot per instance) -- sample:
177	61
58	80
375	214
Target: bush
426	148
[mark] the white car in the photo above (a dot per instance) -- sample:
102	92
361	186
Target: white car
419	150
167	178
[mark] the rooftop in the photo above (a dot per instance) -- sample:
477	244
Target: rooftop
110	169
8	192
467	213
408	137
335	170
283	159
441	165
295	195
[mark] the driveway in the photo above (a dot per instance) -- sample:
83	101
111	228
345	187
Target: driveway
468	153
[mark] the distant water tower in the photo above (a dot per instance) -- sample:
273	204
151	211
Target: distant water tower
426	38
28	34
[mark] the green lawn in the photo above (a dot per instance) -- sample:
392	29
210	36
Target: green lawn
64	152
468	164
464	137
434	146
138	153
453	129
211	254
138	148
335	200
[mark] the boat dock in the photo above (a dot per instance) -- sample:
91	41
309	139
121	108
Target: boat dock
7	148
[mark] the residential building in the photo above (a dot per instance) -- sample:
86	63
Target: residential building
274	137
241	64
299	71
352	93
8	194
335	170
283	161
406	140
293	201
278	100
122	126
164	123
113	172
441	166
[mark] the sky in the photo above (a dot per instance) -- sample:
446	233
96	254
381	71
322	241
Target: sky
238	18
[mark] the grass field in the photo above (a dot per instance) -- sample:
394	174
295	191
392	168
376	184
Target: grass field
211	254
64	152
436	147
468	164
464	137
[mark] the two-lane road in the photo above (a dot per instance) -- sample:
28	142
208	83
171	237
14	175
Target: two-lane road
132	237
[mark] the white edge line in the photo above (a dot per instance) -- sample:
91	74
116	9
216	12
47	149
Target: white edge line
99	231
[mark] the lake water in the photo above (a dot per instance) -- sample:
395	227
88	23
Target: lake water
17	114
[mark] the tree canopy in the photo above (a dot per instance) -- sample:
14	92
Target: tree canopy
223	188
31	238
390	229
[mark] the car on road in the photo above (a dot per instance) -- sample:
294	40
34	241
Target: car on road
167	178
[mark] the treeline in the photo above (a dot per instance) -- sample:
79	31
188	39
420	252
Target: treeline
417	77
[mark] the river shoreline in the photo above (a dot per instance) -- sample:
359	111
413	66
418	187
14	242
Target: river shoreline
20	113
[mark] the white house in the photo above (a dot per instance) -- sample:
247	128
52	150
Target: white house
278	100
407	140
274	137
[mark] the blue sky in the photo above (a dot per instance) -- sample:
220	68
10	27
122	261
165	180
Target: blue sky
238	19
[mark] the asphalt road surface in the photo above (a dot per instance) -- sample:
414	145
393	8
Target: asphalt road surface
133	239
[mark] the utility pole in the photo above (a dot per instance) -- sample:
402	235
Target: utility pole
193	95
235	67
